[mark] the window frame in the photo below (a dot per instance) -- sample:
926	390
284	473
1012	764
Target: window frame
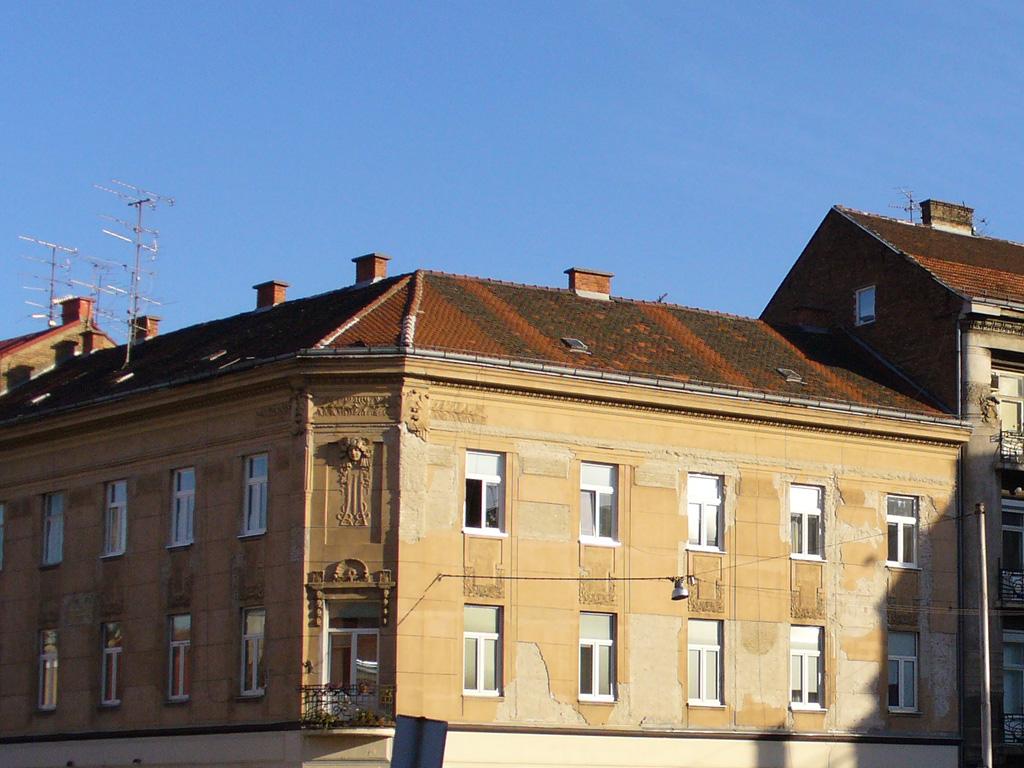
595	644
901	524
49	663
53	528
703	651
110	664
903	685
1014	529
179	674
255	486
862	317
804	654
597	491
479	641
1014	637
183	506
115	534
486	481
1009	401
2	511
697	518
806	516
252	662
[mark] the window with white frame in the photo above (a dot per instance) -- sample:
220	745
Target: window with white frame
254	514
481	668
901	529
704	661
1013	672
805	667
1013	536
902	671
110	689
597	656
180	647
183	506
53	528
1008	387
352	660
253	634
865	302
806	504
599	509
1	537
115	518
48	669
485	492
704	510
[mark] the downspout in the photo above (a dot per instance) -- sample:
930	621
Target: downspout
960	682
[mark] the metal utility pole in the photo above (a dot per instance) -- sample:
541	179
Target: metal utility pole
986	666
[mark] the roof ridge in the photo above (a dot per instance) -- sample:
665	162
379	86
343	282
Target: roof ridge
362	313
412	310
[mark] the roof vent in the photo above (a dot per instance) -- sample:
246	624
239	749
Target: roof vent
371	267
791	376
575	345
590	283
949	217
270	293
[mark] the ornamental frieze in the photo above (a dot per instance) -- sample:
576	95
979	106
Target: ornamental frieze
378	406
463	413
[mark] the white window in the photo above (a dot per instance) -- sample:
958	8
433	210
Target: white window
704	661
901	521
598	502
805	520
53	528
805	667
179	671
1009	390
1013	537
254	516
253	629
1	537
704	510
902	671
485	492
352	659
48	669
481	669
1013	673
116	518
183	507
110	693
597	656
865	305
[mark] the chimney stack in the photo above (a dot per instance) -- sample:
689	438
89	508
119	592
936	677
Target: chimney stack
74	309
949	217
371	267
590	283
270	293
145	328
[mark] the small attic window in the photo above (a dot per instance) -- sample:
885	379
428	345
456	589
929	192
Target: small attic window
575	345
215	355
791	376
865	303
39	398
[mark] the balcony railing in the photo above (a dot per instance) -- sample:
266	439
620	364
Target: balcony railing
352	706
1011	447
1011	586
1013	729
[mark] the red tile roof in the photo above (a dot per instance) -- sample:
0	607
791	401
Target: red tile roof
973	266
8	346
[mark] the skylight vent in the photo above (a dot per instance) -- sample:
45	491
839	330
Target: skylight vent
791	376
38	399
215	355
124	377
575	345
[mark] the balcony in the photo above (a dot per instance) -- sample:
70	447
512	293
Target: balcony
1011	586
353	706
1011	447
1013	729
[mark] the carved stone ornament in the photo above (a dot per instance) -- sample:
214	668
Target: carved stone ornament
483	586
357	405
349	575
464	413
354	478
802	608
416	405
597	592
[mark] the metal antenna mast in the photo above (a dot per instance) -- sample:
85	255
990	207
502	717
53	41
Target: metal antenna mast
910	206
138	198
51	316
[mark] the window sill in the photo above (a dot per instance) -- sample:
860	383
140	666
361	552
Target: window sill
902	566
490	533
490	695
108	706
252	534
180	544
48	566
46	711
705	704
597	700
254	696
863	321
796	707
599	541
112	555
911	712
807	558
704	548
177	702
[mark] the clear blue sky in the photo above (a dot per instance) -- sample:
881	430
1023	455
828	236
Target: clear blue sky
689	147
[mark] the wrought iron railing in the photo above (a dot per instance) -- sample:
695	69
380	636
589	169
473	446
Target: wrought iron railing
1011	586
1013	729
1011	446
351	706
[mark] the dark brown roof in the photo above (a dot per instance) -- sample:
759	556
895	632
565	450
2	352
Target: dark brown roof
8	346
490	320
973	266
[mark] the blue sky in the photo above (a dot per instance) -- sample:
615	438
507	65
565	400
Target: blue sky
689	147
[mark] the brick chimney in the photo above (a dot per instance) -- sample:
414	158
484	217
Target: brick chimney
590	283
949	217
270	293
76	308
371	267
145	328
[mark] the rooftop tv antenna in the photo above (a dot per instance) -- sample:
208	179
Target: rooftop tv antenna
139	199
51	307
910	205
101	269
